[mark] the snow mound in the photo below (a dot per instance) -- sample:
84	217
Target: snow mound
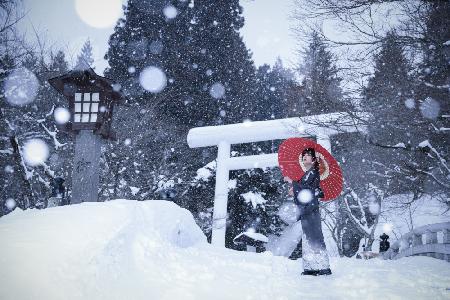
63	246
126	249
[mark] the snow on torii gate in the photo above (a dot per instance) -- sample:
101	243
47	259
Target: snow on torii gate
223	136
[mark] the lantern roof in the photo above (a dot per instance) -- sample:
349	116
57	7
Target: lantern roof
86	79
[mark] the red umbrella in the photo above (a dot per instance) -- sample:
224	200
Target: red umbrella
291	165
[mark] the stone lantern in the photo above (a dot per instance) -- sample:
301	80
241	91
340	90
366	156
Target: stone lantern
91	102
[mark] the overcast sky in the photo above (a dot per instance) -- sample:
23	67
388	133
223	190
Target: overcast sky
266	31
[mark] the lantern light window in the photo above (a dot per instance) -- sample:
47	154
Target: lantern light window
86	107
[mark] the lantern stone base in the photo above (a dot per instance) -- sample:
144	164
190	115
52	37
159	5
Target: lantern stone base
85	177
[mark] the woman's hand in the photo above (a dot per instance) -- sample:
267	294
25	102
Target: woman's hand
287	179
291	191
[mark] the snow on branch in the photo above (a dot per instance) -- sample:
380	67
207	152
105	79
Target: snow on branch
427	144
51	111
362	224
254	198
53	135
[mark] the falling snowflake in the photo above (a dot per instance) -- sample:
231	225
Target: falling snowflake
430	108
153	79
62	115
10	203
21	87
410	103
170	12
35	152
217	90
305	196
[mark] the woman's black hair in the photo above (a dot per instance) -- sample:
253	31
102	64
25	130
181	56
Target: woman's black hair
312	152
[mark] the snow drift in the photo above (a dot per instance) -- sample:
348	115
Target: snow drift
126	249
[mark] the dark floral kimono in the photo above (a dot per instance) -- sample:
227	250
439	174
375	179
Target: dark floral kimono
306	195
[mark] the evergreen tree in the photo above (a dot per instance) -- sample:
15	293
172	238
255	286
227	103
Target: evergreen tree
432	98
202	55
274	87
85	58
321	84
145	38
224	62
386	98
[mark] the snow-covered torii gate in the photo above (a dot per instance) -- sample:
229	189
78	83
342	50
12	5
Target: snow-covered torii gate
322	127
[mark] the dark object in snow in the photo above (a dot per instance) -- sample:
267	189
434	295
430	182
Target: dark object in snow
91	101
384	244
58	188
255	242
169	193
317	272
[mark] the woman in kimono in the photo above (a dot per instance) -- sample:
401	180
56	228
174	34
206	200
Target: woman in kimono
306	195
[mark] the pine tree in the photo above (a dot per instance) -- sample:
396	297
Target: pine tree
274	86
197	49
321	84
433	94
223	60
400	125
387	93
144	38
85	59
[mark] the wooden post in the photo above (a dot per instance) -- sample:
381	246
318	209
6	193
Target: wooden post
85	176
417	240
430	237
446	236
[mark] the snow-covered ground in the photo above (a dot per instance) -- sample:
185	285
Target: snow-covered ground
126	249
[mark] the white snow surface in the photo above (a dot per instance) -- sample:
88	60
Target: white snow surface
125	249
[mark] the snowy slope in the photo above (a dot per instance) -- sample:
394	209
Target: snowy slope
127	249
